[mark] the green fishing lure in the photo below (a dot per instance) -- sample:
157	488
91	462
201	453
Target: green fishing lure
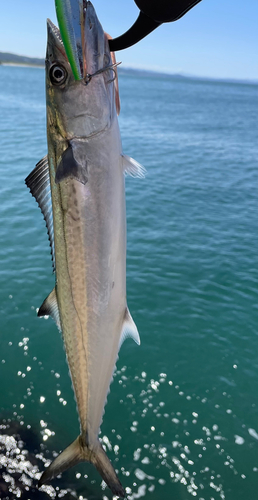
70	15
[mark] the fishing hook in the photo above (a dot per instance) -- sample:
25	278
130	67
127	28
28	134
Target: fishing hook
89	76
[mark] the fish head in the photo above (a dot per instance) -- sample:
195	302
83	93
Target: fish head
81	108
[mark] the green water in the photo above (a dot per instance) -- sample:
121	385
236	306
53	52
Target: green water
182	416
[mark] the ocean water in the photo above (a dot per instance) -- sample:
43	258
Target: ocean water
182	416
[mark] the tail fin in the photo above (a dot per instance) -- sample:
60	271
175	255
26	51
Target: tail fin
78	452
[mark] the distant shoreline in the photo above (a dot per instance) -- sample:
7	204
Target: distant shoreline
9	59
17	60
23	65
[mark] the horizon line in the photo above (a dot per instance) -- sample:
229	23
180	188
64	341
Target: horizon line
160	71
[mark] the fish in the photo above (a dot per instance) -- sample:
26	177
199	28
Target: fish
80	188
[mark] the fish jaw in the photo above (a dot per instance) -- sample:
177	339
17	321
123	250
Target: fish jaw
79	108
96	53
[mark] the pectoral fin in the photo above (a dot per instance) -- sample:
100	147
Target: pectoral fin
73	163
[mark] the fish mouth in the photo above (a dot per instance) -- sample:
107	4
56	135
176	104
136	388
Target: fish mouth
80	36
55	31
54	42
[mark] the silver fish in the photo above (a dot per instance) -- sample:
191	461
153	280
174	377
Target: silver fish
79	187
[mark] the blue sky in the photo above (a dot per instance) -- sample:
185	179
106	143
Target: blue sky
217	38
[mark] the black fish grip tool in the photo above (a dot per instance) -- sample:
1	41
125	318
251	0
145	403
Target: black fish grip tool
152	14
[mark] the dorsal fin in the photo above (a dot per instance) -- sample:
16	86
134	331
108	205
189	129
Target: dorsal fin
38	182
50	308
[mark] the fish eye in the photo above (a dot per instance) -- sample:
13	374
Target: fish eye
57	74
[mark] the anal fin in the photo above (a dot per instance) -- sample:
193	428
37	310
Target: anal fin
50	308
129	329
